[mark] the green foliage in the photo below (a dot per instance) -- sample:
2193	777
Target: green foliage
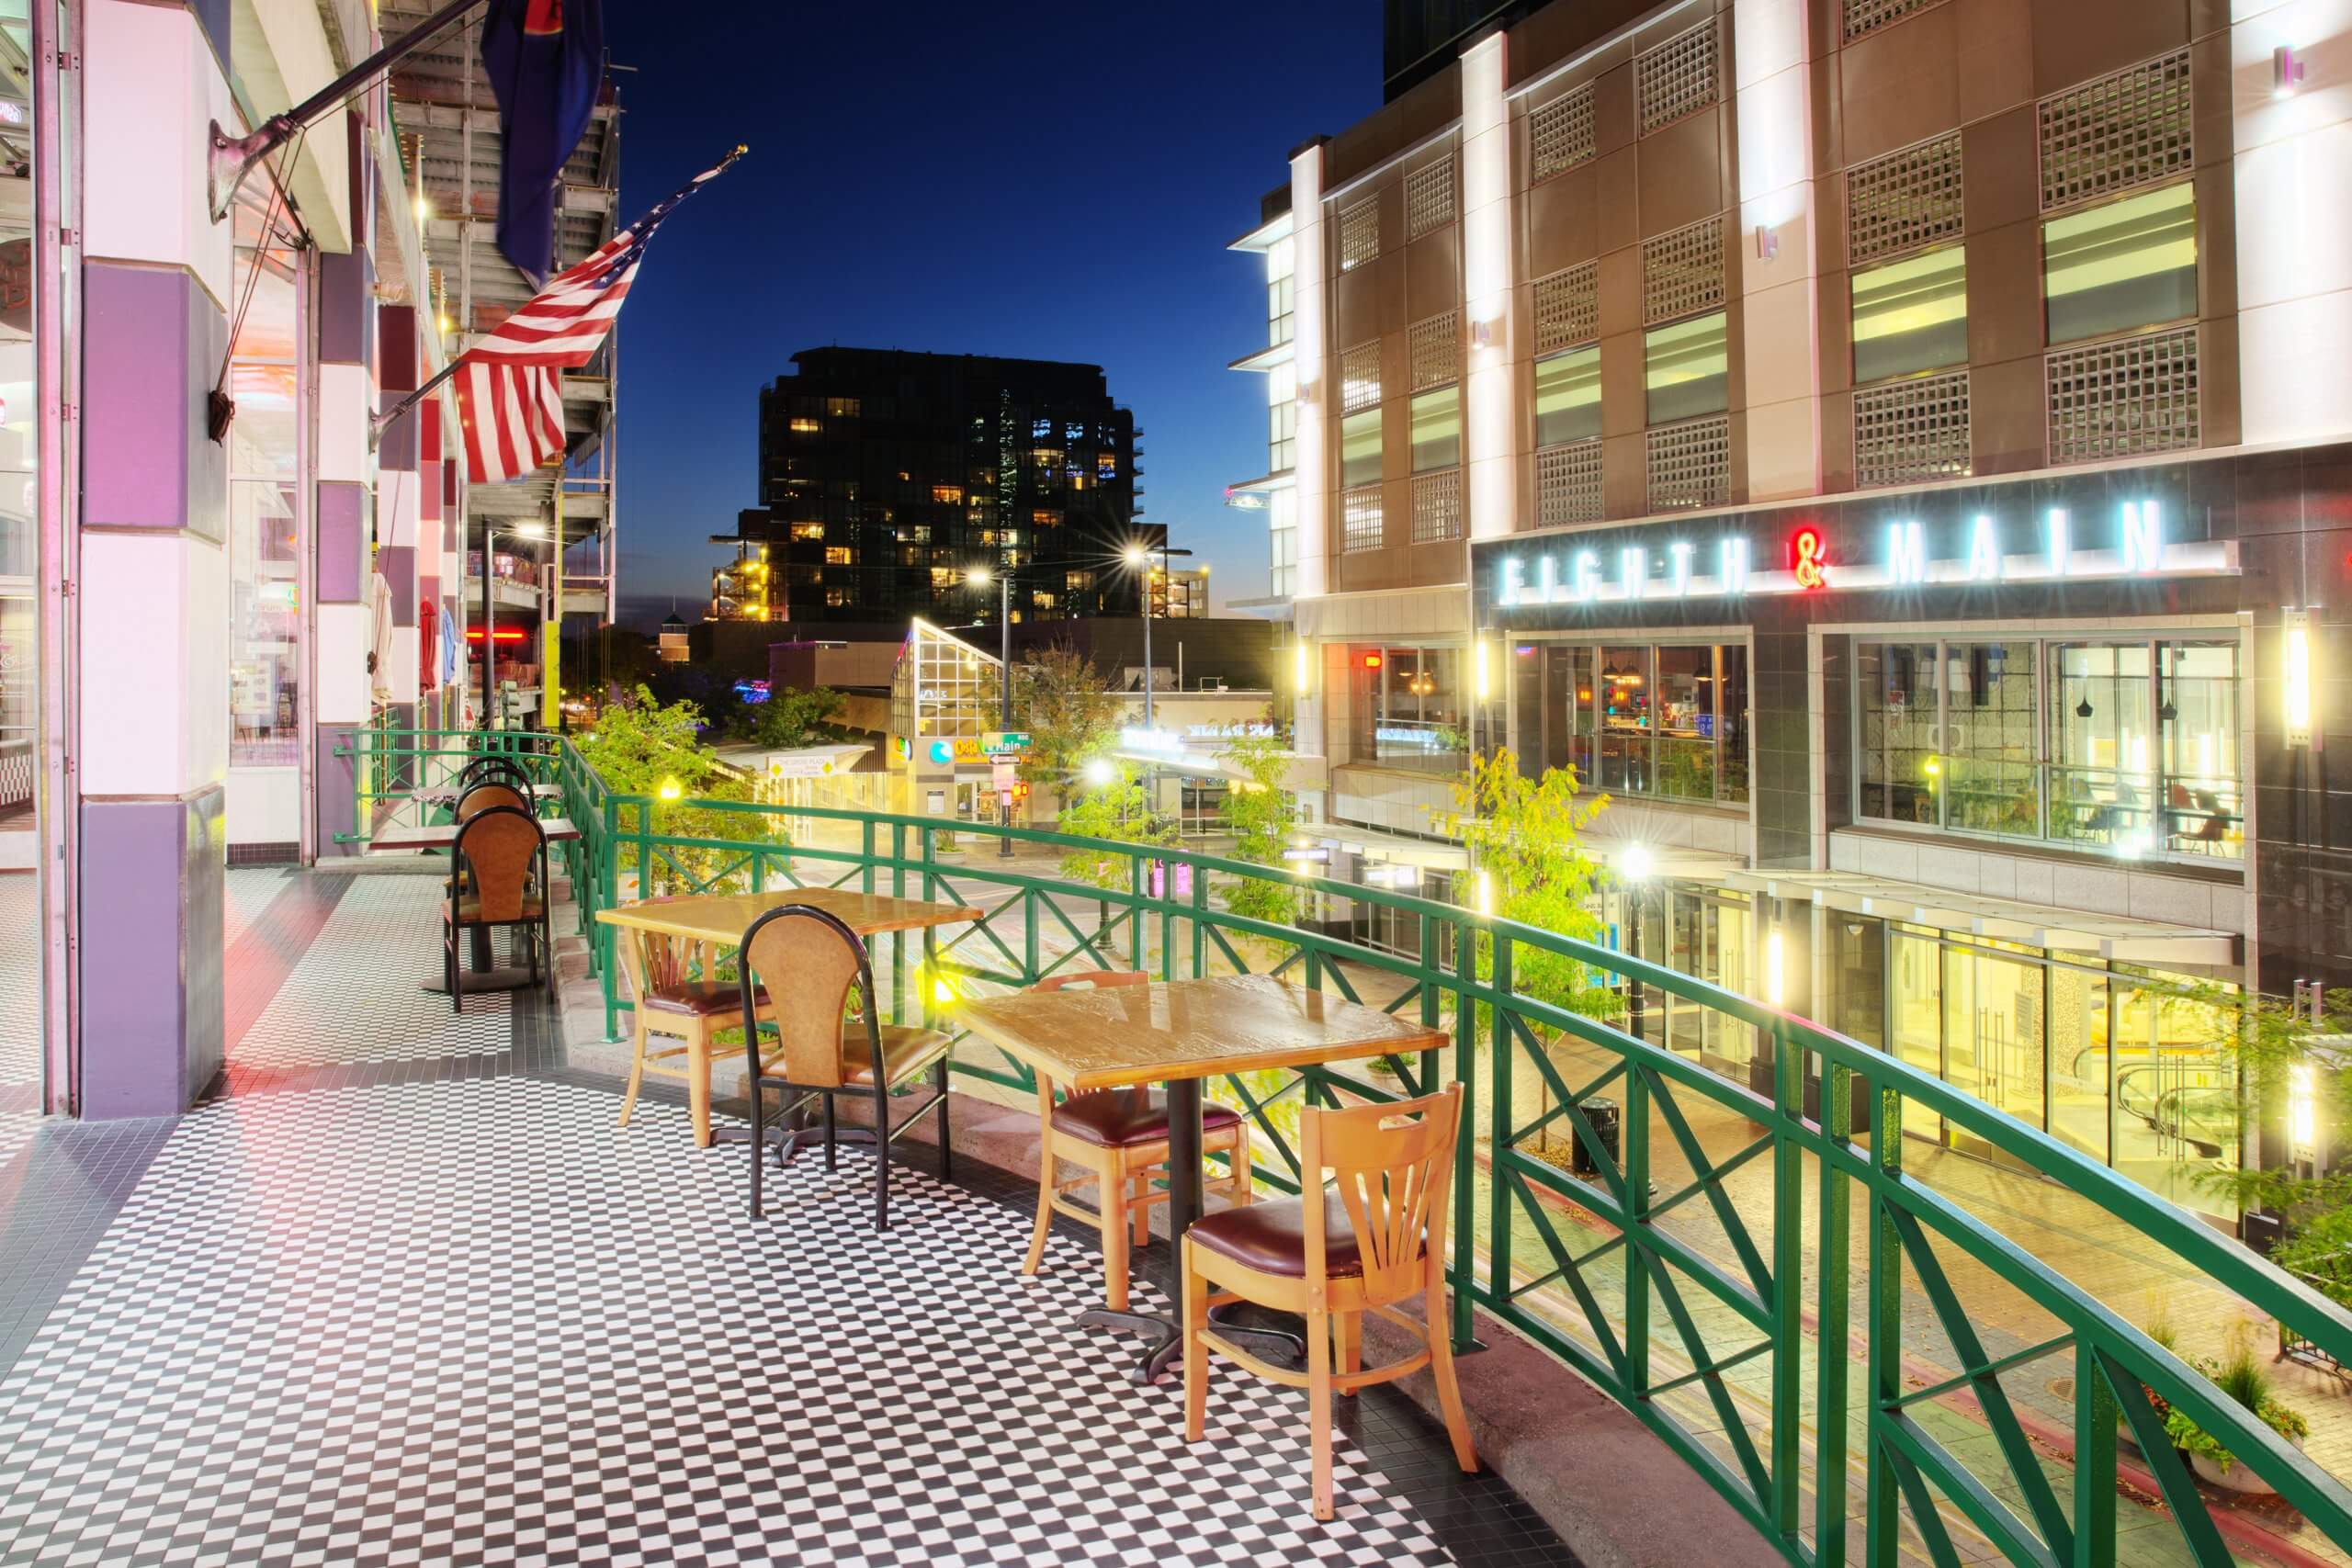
1526	835
2284	1056
2241	1378
1121	811
639	741
792	718
1069	712
639	745
1260	814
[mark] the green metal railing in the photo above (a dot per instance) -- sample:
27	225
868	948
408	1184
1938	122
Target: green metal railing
1727	1331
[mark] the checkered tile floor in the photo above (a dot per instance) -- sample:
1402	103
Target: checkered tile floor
464	1319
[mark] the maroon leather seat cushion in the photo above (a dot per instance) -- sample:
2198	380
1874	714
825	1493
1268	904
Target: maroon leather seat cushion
1271	1237
700	998
1118	1118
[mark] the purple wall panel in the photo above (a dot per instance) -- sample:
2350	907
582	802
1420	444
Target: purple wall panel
396	445
343	543
153	1034
151	343
398	563
338	808
347	307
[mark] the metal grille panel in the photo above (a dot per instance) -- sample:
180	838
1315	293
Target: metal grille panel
1360	377
1864	16
1436	506
1559	133
1904	200
1690	464
1567	483
1360	234
1678	77
2119	398
1911	431
1359	524
1428	197
1567	307
1437	351
2129	129
1683	272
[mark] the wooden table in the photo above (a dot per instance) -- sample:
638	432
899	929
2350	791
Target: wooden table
718	920
1178	1033
444	835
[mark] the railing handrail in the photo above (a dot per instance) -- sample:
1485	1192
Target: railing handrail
902	845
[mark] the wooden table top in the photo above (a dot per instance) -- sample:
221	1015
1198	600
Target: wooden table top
723	918
1113	1035
444	835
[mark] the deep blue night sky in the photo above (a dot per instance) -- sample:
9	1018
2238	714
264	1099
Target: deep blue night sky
1055	181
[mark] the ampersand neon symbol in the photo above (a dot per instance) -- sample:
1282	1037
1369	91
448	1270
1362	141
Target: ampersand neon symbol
1812	560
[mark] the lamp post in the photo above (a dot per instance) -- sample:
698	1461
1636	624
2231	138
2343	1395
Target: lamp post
488	617
1139	557
979	577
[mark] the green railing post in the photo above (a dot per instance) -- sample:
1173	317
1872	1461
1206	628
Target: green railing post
1465	1162
1882	1504
866	853
1499	1143
1633	1165
1200	922
1788	1277
2095	1415
1431	995
1832	1304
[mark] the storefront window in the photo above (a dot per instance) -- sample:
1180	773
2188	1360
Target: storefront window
1410	708
1686	723
1911	315
1669	721
1731	718
1707	938
2176	1090
1993	1034
2196	717
1437	430
1626	697
1990	782
265	582
1895	712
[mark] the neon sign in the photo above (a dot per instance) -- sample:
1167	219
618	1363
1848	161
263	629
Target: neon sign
1534	575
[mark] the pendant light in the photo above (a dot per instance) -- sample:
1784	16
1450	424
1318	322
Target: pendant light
2083	709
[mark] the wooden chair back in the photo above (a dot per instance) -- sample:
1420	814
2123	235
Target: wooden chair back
478	798
811	961
1091	978
493	770
500	848
653	960
1393	1166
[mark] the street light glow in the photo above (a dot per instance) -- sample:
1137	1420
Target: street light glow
1138	555
979	575
1634	862
1098	772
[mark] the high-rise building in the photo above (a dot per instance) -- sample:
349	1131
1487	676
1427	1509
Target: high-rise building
1898	454
886	476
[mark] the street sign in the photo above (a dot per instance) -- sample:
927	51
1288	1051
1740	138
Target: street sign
997	740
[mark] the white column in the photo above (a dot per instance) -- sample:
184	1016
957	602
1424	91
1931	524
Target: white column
2294	155
1778	277
1491	419
1311	268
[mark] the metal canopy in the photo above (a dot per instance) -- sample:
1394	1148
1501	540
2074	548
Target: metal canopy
2116	937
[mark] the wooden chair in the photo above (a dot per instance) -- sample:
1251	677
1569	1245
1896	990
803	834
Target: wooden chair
672	1003
492	769
823	1051
502	855
1333	1255
1120	1137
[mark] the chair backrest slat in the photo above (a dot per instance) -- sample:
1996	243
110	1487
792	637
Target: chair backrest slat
500	847
810	960
1390	1167
478	798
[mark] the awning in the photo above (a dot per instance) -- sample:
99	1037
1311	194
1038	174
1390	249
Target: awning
2120	938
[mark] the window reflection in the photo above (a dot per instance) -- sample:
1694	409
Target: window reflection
265	594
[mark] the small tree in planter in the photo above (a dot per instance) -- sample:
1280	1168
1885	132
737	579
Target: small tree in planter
2240	1376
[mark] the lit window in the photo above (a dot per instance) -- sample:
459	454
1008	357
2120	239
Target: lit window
1046	519
1567	396
836	597
801	426
2130	263
1437	430
1359	448
843	408
1911	315
837	555
807	530
954	493
1688	369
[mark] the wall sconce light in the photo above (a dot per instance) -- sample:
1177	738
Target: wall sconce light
1768	242
2298	661
2287	70
1301	670
1775	990
1482	334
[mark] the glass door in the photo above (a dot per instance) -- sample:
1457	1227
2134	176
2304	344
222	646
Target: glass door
1994	1036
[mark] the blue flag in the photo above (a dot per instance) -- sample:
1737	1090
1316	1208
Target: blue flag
545	62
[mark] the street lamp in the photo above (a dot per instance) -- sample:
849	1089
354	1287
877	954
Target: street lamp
1139	557
979	577
1634	867
488	618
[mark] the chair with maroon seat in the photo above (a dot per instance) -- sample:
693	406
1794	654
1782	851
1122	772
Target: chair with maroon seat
1120	1136
1373	1240
501	856
678	997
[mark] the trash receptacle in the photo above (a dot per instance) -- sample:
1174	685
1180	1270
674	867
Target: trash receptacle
1602	1113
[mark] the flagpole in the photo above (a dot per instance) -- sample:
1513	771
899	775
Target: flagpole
232	158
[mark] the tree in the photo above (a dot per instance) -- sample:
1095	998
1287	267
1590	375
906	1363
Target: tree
652	749
1526	837
2297	1069
792	718
1119	810
1260	814
640	742
1069	712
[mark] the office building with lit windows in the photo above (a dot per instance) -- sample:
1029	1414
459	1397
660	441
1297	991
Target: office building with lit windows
1897	451
885	476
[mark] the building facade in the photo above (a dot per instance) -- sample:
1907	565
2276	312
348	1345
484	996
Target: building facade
886	476
1893	448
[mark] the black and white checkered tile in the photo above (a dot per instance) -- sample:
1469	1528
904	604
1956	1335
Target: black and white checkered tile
247	891
474	1322
19	984
356	995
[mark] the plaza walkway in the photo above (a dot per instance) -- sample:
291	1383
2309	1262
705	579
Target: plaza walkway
403	1293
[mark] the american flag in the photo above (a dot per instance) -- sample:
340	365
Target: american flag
510	387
